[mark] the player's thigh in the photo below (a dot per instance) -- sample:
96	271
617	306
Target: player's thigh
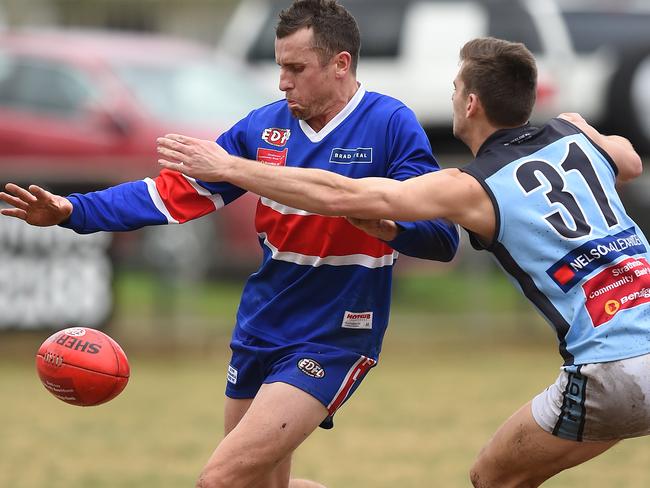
233	411
278	419
278	477
522	454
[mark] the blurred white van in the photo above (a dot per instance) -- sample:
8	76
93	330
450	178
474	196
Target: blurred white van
593	58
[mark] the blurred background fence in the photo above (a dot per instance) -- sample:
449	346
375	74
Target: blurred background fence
201	19
87	85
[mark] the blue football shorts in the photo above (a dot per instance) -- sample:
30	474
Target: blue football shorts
329	374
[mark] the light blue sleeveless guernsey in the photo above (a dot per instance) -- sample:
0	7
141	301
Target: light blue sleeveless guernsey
564	238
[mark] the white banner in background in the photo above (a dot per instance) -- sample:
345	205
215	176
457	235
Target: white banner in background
51	277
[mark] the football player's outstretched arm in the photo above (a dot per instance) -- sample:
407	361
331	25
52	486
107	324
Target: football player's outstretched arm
627	160
448	193
35	205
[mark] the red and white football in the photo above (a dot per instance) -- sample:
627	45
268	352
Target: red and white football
82	366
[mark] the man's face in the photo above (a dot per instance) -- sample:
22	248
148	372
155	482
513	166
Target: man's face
459	103
307	85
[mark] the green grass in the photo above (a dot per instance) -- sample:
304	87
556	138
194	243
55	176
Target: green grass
454	367
417	421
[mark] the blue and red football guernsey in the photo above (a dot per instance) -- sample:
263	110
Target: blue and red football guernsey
321	279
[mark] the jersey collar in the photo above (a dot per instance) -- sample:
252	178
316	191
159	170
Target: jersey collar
507	137
314	136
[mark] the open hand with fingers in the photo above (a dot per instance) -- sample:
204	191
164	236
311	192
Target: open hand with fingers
197	158
35	205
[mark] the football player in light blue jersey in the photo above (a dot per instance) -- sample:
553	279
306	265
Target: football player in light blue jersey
543	201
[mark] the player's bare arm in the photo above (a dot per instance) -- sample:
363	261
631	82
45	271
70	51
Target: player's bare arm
35	205
313	190
627	160
206	161
448	193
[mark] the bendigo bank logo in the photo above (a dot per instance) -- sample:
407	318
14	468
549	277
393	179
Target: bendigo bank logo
276	137
622	286
612	306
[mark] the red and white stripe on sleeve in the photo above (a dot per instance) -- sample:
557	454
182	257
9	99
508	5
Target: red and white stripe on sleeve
180	198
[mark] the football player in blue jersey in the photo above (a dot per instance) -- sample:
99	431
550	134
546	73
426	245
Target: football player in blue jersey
311	320
543	201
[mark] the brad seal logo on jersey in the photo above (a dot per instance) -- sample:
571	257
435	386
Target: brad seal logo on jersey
276	137
342	155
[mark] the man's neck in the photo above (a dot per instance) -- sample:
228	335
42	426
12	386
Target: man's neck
337	104
478	136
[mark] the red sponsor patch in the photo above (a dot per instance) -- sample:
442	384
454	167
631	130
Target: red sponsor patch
564	274
625	285
277	137
271	156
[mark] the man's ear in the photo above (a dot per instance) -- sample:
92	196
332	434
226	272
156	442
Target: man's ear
473	105
343	63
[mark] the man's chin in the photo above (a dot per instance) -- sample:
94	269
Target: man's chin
297	113
296	110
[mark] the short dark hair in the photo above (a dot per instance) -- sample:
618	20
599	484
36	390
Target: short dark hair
504	76
335	29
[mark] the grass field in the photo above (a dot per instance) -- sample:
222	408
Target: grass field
443	385
417	421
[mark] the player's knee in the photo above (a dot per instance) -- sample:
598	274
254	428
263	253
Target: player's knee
484	475
239	473
475	477
212	477
207	481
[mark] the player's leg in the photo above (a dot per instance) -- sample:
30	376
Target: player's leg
233	412
296	483
276	422
521	454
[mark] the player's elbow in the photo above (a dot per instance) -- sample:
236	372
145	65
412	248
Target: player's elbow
637	168
355	198
632	168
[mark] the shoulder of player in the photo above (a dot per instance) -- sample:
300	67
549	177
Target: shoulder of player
386	102
276	106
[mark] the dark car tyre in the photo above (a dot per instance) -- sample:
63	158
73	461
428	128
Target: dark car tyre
629	109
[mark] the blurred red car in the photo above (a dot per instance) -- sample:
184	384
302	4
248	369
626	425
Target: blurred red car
81	110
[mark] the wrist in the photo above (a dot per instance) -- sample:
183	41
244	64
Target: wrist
66	208
231	169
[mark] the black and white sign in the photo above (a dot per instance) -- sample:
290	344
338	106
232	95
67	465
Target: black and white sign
51	277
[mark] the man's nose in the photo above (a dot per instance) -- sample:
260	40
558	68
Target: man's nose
285	81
